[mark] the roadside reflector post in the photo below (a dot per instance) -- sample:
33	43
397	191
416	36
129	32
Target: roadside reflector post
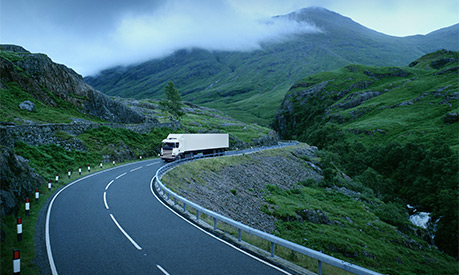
19	227
37	194
113	163
16	262
89	168
57	178
140	157
69	173
27	206
49	185
101	165
79	170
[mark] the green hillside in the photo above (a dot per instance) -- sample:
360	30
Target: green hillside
393	129
250	85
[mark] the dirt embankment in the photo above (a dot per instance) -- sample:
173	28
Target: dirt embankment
236	186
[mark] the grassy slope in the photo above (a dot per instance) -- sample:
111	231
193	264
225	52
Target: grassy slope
361	229
420	120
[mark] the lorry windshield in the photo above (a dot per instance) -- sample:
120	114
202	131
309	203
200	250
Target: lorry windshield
170	145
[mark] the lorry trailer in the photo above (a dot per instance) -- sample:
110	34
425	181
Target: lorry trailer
177	146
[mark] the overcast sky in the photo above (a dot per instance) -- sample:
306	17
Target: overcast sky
90	35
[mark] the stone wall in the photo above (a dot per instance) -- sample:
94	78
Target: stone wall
37	134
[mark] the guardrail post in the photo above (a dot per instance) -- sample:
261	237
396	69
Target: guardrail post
215	223
184	207
175	201
272	249
320	267
239	234
197	214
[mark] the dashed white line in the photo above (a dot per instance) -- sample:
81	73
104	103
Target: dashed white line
162	269
120	176
125	234
105	200
135	169
108	185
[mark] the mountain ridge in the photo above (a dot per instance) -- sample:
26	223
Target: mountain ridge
251	85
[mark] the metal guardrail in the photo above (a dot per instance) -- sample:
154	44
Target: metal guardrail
319	256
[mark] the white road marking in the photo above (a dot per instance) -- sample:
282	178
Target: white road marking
153	163
105	200
213	236
162	269
125	234
120	176
49	252
108	185
135	169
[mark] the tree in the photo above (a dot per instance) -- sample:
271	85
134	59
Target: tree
173	101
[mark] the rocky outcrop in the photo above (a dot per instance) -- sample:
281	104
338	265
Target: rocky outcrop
48	82
18	181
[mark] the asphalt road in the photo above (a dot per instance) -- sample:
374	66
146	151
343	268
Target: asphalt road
111	223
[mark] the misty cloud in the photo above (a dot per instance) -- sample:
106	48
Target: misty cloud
89	36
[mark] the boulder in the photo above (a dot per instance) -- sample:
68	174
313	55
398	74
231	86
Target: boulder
27	105
450	118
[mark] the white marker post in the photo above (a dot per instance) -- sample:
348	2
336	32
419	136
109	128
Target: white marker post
49	185
69	173
89	169
113	163
101	165
19	227
16	262
79	170
27	206
57	178
37	194
140	157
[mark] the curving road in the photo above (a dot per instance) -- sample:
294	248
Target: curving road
110	222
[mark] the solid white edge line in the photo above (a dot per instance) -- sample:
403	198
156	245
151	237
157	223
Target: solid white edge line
105	200
213	236
108	185
121	175
125	234
135	169
52	265
162	269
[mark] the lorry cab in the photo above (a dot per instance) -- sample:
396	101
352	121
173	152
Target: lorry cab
170	149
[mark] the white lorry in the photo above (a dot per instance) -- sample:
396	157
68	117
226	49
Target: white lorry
177	146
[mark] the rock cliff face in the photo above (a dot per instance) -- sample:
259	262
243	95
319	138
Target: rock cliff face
360	98
17	179
45	80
